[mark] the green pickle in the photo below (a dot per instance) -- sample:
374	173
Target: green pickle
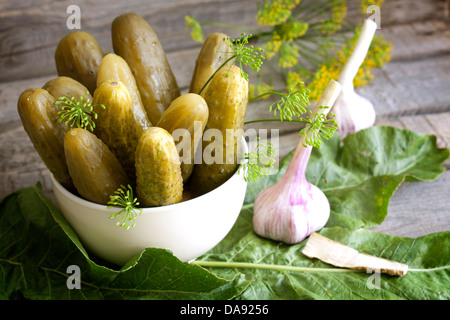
115	123
158	173
135	41
95	170
213	54
186	118
227	97
78	56
38	113
116	68
67	87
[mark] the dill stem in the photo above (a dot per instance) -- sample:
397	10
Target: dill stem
220	67
264	94
245	265
276	120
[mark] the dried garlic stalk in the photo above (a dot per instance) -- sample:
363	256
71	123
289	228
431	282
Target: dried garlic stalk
339	255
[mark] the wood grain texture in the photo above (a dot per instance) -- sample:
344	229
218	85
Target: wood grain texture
31	29
409	92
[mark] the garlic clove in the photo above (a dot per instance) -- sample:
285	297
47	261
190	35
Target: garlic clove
353	113
280	214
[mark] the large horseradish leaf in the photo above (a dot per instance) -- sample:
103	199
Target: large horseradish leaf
280	271
40	255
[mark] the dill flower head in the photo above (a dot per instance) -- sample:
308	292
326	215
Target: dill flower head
291	29
293	79
338	11
288	55
195	27
273	12
321	78
273	45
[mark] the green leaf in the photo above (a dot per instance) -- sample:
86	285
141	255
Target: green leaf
280	271
360	175
37	245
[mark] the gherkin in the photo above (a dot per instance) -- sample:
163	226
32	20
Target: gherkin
95	170
135	41
78	55
114	67
213	53
39	116
115	123
158	173
186	118
226	97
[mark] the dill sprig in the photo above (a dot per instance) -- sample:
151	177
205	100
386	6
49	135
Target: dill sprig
291	104
258	163
124	198
246	54
77	113
318	128
243	54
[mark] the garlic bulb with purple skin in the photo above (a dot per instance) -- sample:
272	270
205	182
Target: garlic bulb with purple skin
292	208
352	111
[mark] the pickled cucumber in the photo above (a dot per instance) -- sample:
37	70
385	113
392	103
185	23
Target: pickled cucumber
78	56
95	170
115	67
189	113
158	173
39	117
212	54
227	97
66	87
135	41
115	123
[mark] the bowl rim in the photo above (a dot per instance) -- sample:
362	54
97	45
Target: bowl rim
149	210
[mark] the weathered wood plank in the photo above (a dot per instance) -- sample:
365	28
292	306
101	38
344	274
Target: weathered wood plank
30	30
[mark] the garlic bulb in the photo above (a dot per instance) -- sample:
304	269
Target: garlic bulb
352	111
292	208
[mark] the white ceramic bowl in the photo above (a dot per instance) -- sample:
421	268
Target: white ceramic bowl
189	228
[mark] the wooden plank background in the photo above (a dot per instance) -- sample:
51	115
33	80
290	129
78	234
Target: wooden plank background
411	91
